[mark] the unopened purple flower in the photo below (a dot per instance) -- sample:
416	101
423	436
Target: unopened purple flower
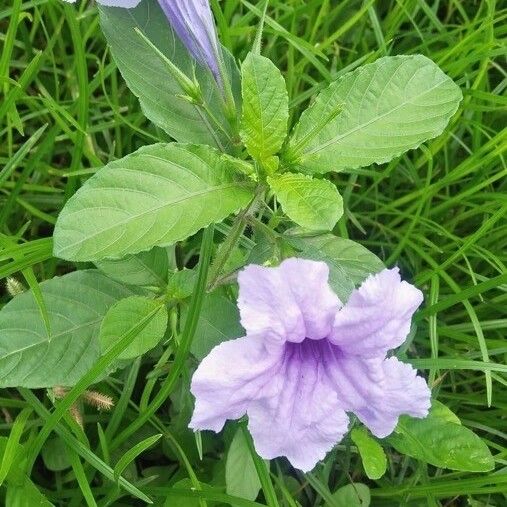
307	360
192	20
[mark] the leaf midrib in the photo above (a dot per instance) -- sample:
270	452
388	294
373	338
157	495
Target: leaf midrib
156	209
48	342
368	123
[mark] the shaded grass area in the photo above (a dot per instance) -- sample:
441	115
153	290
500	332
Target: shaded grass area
438	212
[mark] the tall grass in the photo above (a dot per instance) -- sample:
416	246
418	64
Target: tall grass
438	212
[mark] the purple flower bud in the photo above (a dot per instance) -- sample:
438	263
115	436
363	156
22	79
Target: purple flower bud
307	360
193	21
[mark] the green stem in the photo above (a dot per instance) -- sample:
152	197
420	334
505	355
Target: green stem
191	90
184	346
229	244
262	471
272	234
227	95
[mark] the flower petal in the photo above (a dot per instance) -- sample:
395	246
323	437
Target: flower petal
299	415
228	379
288	303
308	282
377	316
127	4
378	390
193	21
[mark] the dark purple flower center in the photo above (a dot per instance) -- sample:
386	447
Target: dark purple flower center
311	350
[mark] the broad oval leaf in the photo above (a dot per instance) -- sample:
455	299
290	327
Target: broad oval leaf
158	195
265	107
218	322
351	495
312	203
372	455
55	455
144	269
349	262
373	114
181	284
443	412
241	477
124	315
441	443
76	304
158	92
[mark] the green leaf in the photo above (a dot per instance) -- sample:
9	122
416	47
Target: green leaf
241	477
440	411
351	495
158	91
371	452
312	203
181	284
186	485
76	304
17	470
11	449
81	478
265	107
144	269
442	443
160	194
124	315
218	322
25	494
83	450
133	453
55	455
349	262
373	114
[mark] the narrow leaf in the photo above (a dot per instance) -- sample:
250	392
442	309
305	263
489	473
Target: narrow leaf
133	453
12	446
83	450
81	478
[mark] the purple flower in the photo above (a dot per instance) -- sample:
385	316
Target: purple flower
307	360
192	20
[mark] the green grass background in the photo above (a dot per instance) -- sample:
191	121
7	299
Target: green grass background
439	212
